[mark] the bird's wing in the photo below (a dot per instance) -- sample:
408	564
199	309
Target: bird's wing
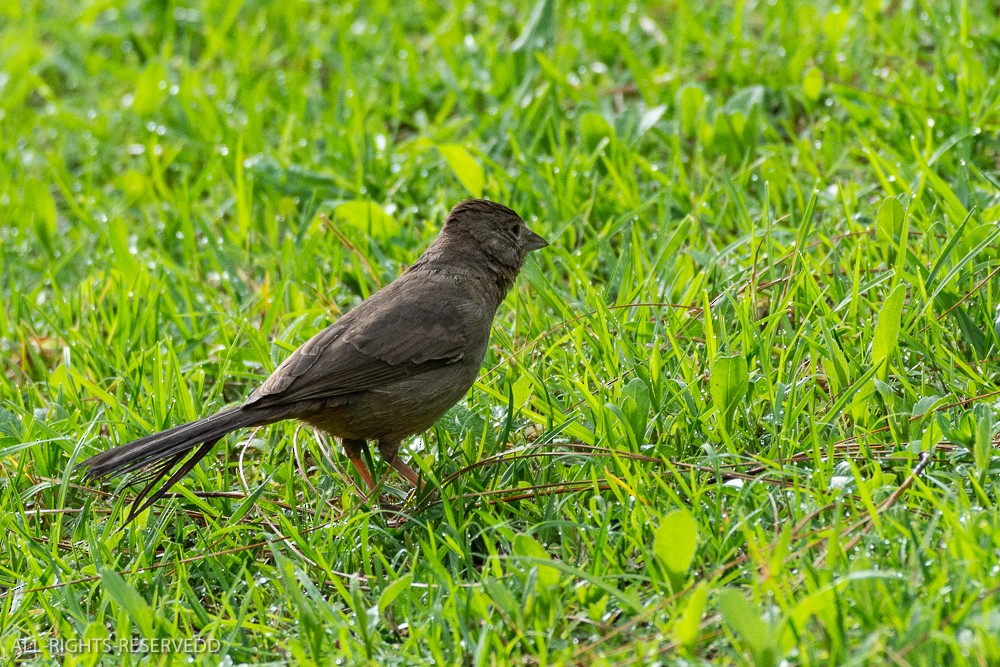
383	340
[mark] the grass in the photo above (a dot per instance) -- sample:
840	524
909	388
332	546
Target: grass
743	409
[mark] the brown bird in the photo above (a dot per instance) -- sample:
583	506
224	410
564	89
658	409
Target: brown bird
387	369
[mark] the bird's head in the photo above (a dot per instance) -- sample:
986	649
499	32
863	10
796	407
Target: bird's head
495	230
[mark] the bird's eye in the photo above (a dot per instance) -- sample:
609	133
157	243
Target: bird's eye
516	231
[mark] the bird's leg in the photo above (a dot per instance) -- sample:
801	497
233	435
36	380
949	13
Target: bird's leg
354	450
389	452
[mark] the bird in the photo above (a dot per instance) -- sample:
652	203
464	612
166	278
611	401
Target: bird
387	369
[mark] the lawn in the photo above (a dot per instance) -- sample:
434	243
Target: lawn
744	408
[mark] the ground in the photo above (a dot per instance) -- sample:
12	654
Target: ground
743	408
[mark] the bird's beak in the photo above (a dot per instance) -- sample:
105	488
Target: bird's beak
534	242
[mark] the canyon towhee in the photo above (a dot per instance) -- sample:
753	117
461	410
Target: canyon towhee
387	369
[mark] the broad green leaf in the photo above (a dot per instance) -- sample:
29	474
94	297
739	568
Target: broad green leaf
812	84
931	436
834	24
728	384
741	617
823	600
528	547
889	220
501	596
675	542
887	331
635	407
468	172
521	390
150	89
367	216
133	184
983	449
746	623
924	405
393	590
688	627
595	128
134	605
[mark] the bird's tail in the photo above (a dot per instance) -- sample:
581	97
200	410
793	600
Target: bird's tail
160	453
